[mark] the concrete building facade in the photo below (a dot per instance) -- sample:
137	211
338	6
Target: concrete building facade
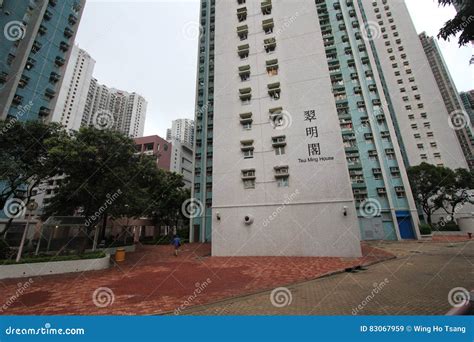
414	96
35	46
72	98
115	109
155	146
390	114
461	122
181	130
182	161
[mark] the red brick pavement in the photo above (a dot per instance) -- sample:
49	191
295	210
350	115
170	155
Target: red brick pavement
152	281
451	238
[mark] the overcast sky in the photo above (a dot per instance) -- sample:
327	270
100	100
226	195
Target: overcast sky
150	47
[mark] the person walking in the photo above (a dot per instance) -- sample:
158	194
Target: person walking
176	242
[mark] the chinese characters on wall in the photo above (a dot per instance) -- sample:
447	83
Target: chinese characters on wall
312	134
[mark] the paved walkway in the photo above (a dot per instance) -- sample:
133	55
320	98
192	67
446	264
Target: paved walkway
416	283
153	281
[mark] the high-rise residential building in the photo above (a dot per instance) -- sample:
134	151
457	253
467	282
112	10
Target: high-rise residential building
182	161
326	99
182	130
467	99
451	98
72	98
35	46
115	109
414	98
168	134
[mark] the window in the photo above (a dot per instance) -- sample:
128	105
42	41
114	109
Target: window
248	177
400	191
270	45
272	67
243	51
266	7
245	95
246	120
267	26
242	32
244	72
280	150
274	90
283	182
242	14
249	184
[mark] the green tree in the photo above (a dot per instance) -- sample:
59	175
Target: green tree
428	184
98	167
457	192
24	159
462	23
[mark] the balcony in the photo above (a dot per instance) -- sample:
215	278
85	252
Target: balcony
44	111
60	61
42	30
63	46
17	100
281	171
49	93
266	7
68	33
54	77
72	19
47	15
279	141
3	77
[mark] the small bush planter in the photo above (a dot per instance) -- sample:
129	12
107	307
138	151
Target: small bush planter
56	265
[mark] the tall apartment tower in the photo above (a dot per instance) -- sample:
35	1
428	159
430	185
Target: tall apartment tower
125	112
72	98
467	99
451	98
414	97
324	99
35	46
182	130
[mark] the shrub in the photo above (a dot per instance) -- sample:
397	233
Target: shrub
4	249
425	229
450	226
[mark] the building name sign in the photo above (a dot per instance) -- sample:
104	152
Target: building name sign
312	133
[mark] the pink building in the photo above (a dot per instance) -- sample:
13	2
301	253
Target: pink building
156	146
